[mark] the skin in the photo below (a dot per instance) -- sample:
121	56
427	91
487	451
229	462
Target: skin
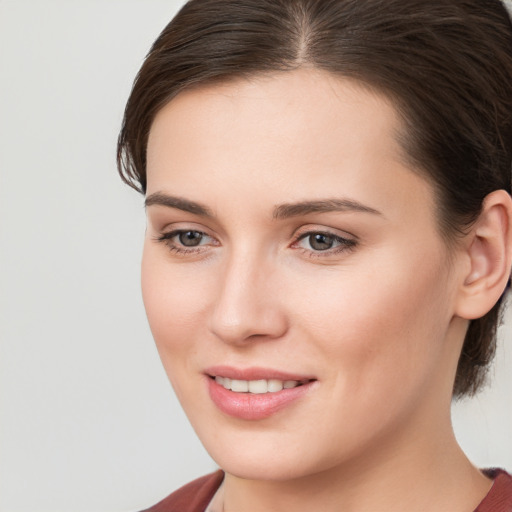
376	321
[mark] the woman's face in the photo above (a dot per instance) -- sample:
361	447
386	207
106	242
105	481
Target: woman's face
290	246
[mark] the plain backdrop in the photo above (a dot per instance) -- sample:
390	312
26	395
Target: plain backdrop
88	421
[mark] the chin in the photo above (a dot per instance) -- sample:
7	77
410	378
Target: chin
263	470
269	458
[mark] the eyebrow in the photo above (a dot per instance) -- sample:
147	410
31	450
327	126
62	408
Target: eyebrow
283	211
288	210
179	203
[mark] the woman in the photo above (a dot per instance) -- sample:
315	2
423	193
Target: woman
329	240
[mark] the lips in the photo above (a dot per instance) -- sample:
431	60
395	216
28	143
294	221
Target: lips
255	393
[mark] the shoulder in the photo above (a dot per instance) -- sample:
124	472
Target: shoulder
499	498
192	497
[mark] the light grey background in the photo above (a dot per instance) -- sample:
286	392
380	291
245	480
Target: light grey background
88	422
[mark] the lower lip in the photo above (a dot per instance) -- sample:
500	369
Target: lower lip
252	406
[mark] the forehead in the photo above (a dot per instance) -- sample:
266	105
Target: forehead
300	134
300	98
304	111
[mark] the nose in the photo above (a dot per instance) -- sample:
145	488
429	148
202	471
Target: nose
247	306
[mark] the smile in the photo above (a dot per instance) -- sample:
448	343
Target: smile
256	387
256	393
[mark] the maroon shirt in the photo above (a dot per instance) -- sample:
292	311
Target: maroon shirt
195	496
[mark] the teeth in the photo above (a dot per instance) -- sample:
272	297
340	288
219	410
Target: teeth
240	386
223	381
257	387
275	385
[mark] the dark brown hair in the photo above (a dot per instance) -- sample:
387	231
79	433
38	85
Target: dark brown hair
445	64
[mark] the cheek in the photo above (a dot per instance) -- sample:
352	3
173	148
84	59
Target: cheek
175	304
382	327
175	300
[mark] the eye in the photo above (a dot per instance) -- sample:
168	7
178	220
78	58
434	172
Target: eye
186	240
319	241
190	238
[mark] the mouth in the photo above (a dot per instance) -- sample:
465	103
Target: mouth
255	394
257	387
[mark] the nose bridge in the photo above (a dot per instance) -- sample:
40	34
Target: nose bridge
246	307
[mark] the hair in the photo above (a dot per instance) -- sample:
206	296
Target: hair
445	64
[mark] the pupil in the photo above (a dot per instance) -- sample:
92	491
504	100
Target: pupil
190	238
321	242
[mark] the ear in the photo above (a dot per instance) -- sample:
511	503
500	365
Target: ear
488	250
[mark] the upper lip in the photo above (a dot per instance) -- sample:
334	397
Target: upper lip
255	373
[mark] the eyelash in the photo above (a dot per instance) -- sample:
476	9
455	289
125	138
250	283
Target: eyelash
166	238
345	244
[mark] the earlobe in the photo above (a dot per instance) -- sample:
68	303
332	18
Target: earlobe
489	252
